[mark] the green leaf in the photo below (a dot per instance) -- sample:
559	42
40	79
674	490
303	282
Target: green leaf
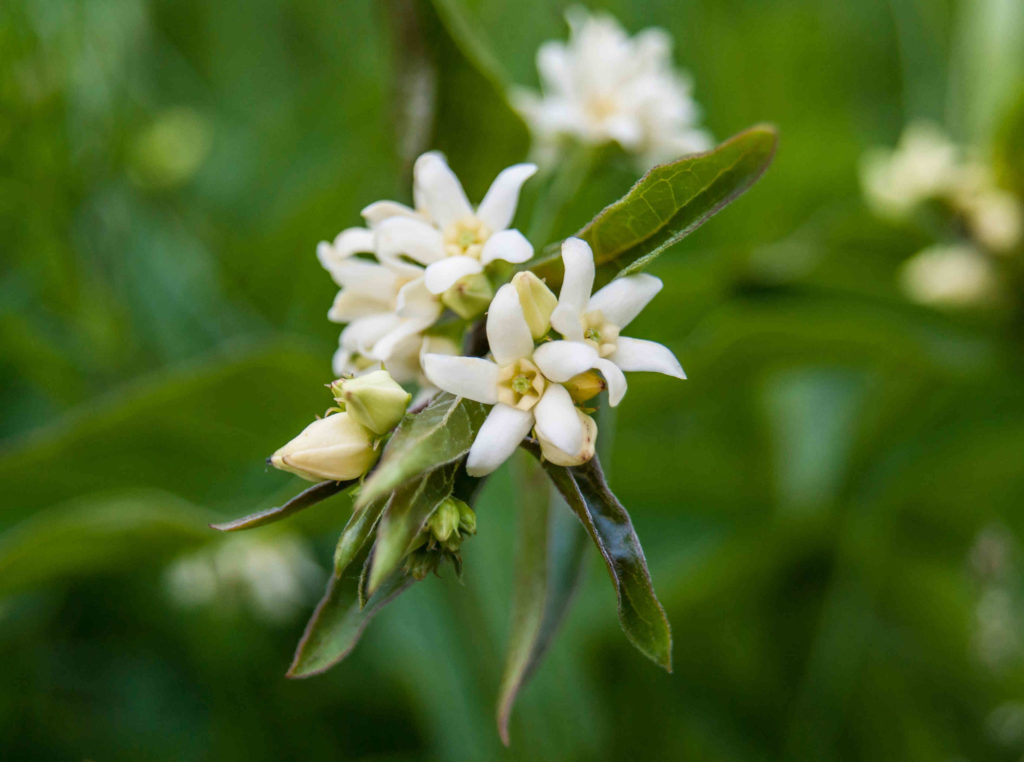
406	514
339	621
440	434
549	565
355	534
670	202
305	499
607	522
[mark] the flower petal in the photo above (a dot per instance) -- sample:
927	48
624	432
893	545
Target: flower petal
472	377
413	238
623	299
503	430
390	343
507	331
510	245
378	211
345	244
352	305
438	191
372	280
576	286
360	335
641	355
557	420
441	276
561	360
615	379
415	301
499	205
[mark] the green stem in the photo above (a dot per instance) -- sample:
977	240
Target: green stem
567	178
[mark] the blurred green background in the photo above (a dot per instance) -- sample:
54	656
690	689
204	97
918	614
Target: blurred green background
831	506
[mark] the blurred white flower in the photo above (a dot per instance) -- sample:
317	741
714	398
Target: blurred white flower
925	165
274	576
604	86
994	217
949	276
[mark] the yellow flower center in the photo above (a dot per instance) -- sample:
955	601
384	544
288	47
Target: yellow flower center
599	333
466	238
520	385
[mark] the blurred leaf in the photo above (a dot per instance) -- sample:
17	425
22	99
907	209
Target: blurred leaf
305	499
355	534
548	568
439	434
404	517
640	614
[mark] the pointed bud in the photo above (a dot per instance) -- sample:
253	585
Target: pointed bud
467	518
375	400
420	563
469	297
444	522
335	448
586	451
537	300
585	386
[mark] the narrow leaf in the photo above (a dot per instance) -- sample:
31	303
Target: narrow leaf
438	435
404	517
607	522
304	499
358	529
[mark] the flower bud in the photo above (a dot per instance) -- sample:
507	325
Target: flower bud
335	448
537	301
421	563
467	518
374	400
470	296
585	386
561	458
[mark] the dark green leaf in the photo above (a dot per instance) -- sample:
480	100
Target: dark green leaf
549	565
404	517
440	434
304	499
640	613
358	529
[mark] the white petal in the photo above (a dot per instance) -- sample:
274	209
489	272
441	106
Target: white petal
442	275
350	305
561	360
413	238
389	344
378	211
576	286
369	278
346	243
615	379
438	191
360	335
499	205
470	377
503	430
623	299
510	245
557	421
507	331
638	354
415	301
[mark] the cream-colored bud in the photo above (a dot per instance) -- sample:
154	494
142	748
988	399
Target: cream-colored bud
585	386
336	448
469	297
375	400
537	301
586	451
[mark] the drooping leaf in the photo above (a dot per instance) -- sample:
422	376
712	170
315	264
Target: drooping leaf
438	435
670	202
406	513
339	620
305	499
356	533
608	524
549	556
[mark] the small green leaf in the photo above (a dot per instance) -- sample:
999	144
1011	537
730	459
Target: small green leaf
338	622
358	529
670	202
406	514
607	522
304	499
436	436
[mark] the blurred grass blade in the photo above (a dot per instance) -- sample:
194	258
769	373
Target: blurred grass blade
305	499
436	436
404	517
358	529
339	621
549	556
607	522
670	202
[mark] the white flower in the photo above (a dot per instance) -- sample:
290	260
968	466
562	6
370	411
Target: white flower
524	386
605	86
923	166
445	233
597	320
949	276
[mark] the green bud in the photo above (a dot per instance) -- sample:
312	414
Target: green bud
537	301
337	448
585	386
469	297
420	563
444	522
467	518
375	400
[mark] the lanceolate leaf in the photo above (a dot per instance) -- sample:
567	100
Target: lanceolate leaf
304	499
440	434
670	202
355	534
404	517
339	621
608	524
